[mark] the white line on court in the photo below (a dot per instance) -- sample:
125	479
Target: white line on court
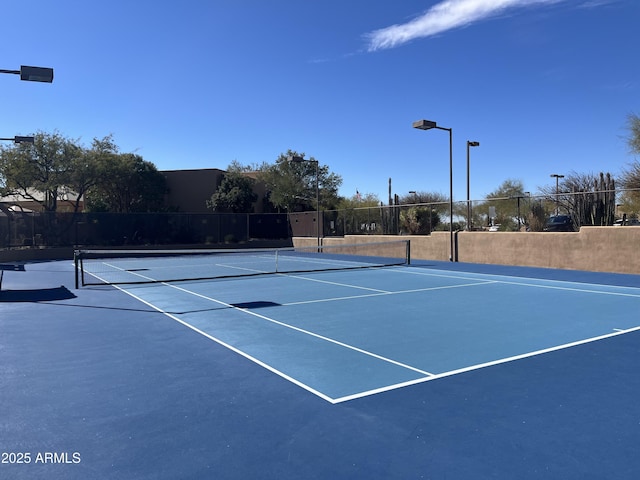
427	375
635	291
220	342
381	293
263	317
338	284
231	347
482	365
301	330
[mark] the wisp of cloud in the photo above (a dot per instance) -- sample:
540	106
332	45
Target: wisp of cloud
441	17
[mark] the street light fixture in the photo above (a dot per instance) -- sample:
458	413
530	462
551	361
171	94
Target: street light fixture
469	144
19	139
428	125
298	159
557	177
33	74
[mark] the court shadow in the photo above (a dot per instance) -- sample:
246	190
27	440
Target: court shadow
36	295
252	305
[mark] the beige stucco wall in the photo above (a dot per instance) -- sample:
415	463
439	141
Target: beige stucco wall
599	249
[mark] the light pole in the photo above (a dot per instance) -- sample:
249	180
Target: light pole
19	139
469	144
297	159
33	74
428	125
557	177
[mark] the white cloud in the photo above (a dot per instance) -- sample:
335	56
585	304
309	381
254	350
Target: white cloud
444	16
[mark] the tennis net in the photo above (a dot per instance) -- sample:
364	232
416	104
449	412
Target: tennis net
102	266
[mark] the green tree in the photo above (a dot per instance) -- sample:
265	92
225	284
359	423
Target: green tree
235	194
424	213
40	172
537	215
505	200
630	176
439	199
358	201
88	169
291	185
128	183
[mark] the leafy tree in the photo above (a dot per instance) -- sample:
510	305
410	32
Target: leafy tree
537	216
418	220
55	167
424	197
360	212
88	169
128	183
630	177
235	194
40	171
634	130
367	200
423	216
236	166
292	184
506	199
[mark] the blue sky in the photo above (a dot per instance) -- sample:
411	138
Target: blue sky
545	86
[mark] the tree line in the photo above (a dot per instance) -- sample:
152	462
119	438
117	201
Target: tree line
56	168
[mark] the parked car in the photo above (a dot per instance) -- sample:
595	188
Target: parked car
631	222
559	223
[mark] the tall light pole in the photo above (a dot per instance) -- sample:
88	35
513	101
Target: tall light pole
297	159
428	125
469	144
33	74
557	177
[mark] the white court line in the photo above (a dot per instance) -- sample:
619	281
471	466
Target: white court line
483	365
399	292
411	271
338	284
220	342
301	330
232	348
427	375
477	281
263	317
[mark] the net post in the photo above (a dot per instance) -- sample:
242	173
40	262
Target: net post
408	254
75	264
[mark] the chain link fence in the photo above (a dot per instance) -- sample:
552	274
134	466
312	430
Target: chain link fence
514	213
26	229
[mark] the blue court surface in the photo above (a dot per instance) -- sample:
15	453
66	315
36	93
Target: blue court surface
435	370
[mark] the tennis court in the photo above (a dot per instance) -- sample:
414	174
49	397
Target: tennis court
425	370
